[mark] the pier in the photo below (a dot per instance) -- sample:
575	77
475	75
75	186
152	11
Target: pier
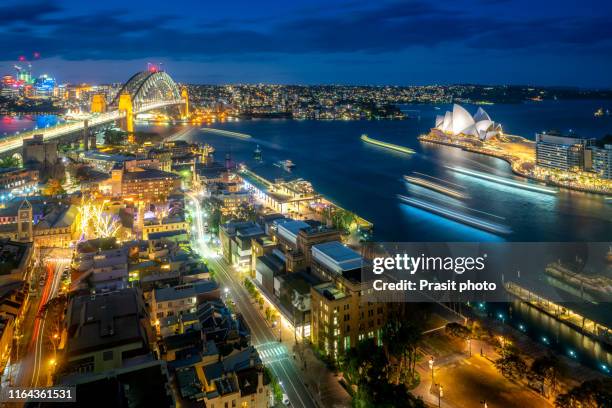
561	313
292	198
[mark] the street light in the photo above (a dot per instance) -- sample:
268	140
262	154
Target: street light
431	366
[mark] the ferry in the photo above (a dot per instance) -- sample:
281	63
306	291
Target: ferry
286	165
596	288
434	186
257	154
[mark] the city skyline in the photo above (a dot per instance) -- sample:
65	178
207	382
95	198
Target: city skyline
395	43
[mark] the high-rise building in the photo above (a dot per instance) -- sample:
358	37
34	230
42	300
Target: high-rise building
601	160
340	315
555	151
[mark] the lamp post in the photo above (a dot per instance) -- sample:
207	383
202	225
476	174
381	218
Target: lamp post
431	366
280	328
469	340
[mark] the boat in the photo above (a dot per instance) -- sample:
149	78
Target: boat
419	181
257	154
286	165
599	112
594	288
455	215
391	146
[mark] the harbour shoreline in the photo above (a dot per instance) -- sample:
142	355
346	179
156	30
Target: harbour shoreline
512	161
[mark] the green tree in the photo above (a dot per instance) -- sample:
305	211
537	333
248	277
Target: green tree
546	370
458	330
277	391
9	162
400	340
53	188
511	365
114	137
363	363
590	394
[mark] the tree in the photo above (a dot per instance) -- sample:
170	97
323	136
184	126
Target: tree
53	188
590	394
365	366
547	369
511	365
458	330
364	362
400	342
9	162
246	211
277	391
114	137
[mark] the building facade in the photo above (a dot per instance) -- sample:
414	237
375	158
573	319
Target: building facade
554	151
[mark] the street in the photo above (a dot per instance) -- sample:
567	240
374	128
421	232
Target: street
35	359
262	336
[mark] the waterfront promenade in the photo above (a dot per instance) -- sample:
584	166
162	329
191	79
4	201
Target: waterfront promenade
515	151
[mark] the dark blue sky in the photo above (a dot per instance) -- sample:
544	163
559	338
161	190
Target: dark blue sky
542	42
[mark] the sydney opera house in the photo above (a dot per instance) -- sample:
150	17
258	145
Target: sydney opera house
460	122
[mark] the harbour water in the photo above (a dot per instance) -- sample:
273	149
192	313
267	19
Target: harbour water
12	124
366	179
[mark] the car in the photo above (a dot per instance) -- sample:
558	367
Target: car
286	399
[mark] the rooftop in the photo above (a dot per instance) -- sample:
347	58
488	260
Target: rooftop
336	256
185	291
330	291
105	321
148	174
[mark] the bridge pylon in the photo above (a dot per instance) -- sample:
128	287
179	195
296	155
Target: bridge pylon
125	105
185	106
98	103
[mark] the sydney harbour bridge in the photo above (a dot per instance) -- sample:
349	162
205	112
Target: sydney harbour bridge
144	91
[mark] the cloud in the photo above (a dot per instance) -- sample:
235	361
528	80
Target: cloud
342	28
26	12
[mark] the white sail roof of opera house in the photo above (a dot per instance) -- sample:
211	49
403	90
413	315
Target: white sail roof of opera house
459	121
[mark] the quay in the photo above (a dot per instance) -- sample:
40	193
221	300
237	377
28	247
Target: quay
516	163
562	314
294	198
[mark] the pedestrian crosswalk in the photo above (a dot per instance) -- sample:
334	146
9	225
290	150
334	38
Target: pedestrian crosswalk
272	352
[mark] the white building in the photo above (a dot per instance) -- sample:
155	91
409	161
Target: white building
460	122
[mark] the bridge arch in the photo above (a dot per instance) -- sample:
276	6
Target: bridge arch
148	87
